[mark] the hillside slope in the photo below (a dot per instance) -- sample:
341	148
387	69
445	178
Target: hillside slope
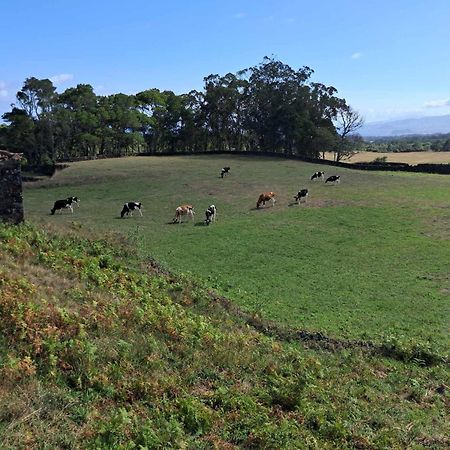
404	127
96	355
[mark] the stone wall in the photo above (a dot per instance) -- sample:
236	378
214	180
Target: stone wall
443	169
11	201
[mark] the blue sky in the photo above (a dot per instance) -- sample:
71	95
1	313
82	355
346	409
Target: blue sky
389	59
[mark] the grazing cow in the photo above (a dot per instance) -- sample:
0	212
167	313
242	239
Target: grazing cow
333	179
265	197
129	207
75	200
211	214
224	171
66	203
183	210
318	176
302	194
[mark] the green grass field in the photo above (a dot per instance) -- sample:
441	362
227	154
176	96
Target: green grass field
369	258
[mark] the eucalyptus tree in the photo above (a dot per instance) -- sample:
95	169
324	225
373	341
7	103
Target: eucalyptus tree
19	135
277	113
36	97
30	122
124	122
162	121
347	123
223	110
148	102
269	108
77	123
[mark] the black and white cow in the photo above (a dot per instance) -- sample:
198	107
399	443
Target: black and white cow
210	214
333	179
318	176
129	207
224	171
73	200
67	203
302	194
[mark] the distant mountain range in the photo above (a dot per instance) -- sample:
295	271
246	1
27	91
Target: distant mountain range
404	127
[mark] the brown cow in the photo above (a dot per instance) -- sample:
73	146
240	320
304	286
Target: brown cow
183	210
265	197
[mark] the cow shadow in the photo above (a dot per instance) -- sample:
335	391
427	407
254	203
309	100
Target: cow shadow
178	223
127	217
262	208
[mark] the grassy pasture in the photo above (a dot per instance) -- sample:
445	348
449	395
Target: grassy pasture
369	258
401	157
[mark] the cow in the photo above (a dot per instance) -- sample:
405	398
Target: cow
302	194
318	176
210	214
66	203
265	197
129	207
333	179
183	210
224	171
75	200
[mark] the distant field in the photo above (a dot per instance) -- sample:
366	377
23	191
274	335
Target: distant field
406	157
368	258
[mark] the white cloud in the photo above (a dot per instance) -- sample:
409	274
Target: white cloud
3	90
356	55
240	15
437	103
61	78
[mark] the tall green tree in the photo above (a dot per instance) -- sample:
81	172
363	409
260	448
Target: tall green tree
77	121
20	134
269	107
37	97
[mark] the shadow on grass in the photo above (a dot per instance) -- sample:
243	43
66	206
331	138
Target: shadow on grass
261	208
200	224
129	217
177	223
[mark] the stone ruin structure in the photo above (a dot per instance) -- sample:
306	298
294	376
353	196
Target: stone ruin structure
11	201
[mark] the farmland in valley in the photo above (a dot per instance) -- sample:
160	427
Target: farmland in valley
400	157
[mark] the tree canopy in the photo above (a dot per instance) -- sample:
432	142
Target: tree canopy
266	108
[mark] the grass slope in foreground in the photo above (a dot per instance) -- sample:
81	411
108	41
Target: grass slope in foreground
96	355
365	259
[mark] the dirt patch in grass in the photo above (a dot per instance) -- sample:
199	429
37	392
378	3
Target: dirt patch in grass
317	203
438	228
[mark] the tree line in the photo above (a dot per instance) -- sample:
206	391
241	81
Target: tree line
432	142
266	108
